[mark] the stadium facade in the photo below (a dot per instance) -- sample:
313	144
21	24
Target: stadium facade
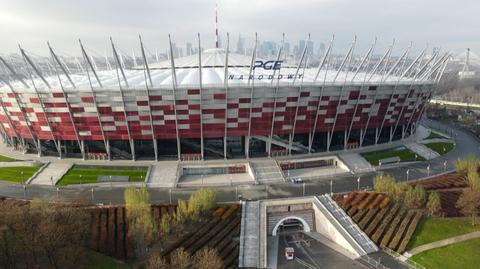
216	104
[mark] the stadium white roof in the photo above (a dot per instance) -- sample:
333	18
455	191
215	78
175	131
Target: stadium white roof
213	75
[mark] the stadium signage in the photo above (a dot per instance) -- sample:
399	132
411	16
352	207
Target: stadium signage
266	65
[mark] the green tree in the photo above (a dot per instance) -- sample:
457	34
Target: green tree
434	205
384	183
469	202
141	225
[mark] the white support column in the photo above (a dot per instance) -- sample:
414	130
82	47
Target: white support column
12	127
28	61
325	61
174	84
299	93
225	81
89	64
201	94
272	125
376	92
119	66
148	84
366	61
251	78
348	57
57	60
414	79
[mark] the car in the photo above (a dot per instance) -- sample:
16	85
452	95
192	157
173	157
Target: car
296	180
289	253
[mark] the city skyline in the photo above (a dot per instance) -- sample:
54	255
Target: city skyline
95	22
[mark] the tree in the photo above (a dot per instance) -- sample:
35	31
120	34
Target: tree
180	259
156	261
400	189
433	205
469	202
384	183
468	163
200	202
207	258
141	225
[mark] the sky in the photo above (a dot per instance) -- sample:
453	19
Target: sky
451	25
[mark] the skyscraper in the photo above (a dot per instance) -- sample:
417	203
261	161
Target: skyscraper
241	45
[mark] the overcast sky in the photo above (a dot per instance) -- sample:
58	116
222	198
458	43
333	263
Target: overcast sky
450	24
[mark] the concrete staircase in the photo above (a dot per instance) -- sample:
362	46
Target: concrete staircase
266	171
422	150
163	174
51	174
356	163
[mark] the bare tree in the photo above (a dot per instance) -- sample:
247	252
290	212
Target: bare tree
207	258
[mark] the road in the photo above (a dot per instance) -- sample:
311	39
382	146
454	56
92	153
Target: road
311	254
465	144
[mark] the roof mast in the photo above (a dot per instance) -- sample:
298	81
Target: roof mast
216	26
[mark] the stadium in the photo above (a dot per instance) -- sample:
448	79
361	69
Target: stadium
215	105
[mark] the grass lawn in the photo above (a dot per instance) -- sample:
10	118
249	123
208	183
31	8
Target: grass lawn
435	135
434	229
97	260
13	174
6	159
459	255
440	147
89	174
402	152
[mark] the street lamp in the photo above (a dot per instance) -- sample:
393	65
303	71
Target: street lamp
445	165
93	197
303	186
358	184
428	170
331	187
408	173
21	176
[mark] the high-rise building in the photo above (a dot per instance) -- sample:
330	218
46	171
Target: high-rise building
189	48
310	47
241	45
286	48
321	49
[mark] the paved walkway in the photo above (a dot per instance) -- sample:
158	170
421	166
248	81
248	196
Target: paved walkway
250	235
51	174
422	150
442	243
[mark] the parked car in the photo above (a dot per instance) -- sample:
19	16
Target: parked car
296	180
289	253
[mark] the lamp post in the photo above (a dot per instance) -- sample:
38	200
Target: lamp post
170	195
331	187
428	170
303	186
445	165
21	177
408	173
93	197
58	190
358	184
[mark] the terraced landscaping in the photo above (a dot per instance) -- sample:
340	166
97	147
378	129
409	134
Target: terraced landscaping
81	174
14	173
387	223
403	153
440	147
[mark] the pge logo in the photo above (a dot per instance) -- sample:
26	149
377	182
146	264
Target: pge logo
268	65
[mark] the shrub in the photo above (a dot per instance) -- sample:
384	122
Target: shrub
433	205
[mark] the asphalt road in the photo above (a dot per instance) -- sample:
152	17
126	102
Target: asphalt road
310	254
465	144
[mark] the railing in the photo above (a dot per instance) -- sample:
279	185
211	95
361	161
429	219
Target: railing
373	262
410	263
